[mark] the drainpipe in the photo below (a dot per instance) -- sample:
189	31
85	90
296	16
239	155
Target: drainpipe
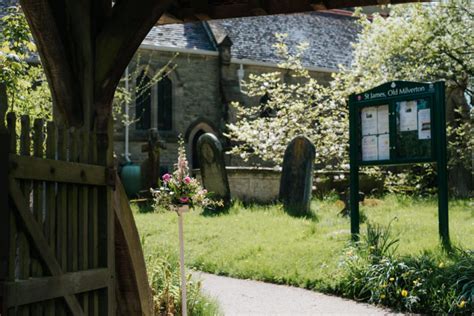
240	75
127	124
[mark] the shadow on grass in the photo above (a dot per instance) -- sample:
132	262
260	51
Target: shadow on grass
252	206
216	211
295	211
144	205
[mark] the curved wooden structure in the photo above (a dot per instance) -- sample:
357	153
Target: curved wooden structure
134	291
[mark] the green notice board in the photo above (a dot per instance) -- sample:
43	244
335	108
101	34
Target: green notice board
398	122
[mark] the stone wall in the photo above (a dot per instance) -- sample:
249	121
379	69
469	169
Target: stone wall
262	185
259	185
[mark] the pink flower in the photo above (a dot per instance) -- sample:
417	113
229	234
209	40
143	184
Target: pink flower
166	177
187	180
184	199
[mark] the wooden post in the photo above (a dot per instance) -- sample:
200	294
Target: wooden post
11	120
184	306
442	166
106	219
354	171
5	212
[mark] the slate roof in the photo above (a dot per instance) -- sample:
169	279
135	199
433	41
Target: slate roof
329	37
189	35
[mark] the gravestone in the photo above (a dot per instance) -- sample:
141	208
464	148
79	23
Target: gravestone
151	166
213	173
297	177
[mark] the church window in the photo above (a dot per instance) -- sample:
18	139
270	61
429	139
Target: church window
165	104
143	102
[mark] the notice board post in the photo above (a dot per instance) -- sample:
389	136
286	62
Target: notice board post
399	123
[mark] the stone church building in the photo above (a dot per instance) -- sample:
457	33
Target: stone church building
209	59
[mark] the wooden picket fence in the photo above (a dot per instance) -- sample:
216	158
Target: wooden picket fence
57	245
68	241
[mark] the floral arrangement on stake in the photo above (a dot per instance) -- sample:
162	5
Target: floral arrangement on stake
179	192
178	189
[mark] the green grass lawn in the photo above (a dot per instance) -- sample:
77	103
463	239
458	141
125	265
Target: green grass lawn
264	243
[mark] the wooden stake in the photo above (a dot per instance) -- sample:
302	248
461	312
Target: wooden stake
181	210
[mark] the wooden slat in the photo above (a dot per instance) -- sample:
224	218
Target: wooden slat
38	199
50	205
84	215
38	239
93	227
61	213
50	218
38	140
107	219
5	213
11	123
24	259
72	208
57	171
46	288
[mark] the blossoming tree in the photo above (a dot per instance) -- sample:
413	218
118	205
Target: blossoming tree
418	42
299	106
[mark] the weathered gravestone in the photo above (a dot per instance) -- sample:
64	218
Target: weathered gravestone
213	173
151	166
297	177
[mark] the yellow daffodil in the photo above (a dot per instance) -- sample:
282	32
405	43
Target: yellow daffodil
462	304
392	279
404	293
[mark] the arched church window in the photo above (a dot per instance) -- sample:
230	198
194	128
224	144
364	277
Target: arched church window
165	102
143	102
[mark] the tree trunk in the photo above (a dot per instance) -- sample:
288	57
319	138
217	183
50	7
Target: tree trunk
460	175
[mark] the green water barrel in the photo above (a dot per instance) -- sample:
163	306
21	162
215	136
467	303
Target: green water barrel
131	175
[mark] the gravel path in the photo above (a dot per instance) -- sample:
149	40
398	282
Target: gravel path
246	297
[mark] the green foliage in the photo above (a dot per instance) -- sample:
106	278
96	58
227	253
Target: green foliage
379	242
27	87
164	276
426	283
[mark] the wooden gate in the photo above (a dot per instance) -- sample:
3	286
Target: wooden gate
56	221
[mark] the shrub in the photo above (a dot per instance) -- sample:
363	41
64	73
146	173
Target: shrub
428	283
163	270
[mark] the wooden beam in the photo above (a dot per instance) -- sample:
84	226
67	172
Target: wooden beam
130	263
46	288
55	59
37	238
116	44
32	168
6	231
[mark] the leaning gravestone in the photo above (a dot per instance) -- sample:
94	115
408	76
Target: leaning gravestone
297	177
213	172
